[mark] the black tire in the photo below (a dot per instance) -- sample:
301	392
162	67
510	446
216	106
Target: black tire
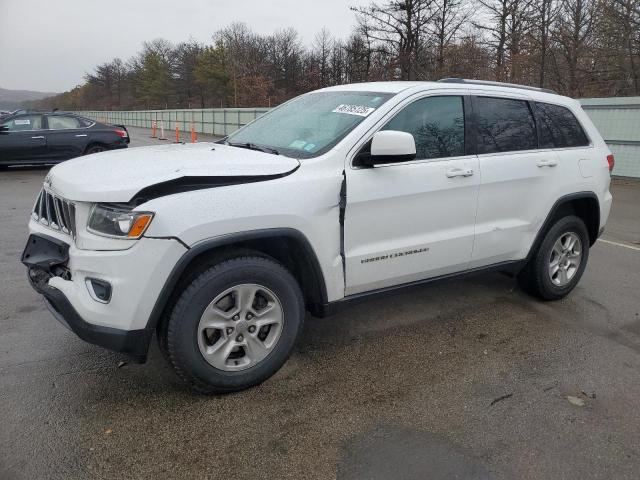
182	327
535	277
95	148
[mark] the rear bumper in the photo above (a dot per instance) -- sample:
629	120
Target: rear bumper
119	144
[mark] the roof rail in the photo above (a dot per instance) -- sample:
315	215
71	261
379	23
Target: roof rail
495	84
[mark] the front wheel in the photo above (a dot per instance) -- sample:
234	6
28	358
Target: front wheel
557	266
235	325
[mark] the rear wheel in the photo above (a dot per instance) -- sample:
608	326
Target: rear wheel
557	266
234	325
95	148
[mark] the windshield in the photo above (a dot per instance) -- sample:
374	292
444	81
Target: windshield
309	125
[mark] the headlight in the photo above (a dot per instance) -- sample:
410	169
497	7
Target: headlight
117	221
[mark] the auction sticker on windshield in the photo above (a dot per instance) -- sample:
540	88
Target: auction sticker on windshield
359	110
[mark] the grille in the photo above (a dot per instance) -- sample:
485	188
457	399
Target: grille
55	213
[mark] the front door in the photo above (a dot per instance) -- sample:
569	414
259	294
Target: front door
413	220
22	140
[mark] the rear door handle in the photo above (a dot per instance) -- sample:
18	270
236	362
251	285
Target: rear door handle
81	135
39	136
459	172
547	163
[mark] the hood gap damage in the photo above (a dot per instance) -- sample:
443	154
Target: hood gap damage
187	184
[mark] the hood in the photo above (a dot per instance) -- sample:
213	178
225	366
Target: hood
120	175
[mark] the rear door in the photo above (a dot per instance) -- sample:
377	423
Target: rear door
67	137
413	220
24	139
518	178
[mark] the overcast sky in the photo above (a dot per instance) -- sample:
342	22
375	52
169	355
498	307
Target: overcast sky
49	45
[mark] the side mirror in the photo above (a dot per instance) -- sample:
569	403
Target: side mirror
390	146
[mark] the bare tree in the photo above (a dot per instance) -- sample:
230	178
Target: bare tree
246	56
509	23
448	18
186	59
624	16
285	57
544	15
574	38
496	28
321	51
399	26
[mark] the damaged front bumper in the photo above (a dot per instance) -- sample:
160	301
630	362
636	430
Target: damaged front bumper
47	257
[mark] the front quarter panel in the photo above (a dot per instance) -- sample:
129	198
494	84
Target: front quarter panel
306	201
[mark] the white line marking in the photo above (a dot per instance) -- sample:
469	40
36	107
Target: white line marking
625	245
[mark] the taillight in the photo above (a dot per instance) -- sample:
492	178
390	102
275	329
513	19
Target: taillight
122	133
611	161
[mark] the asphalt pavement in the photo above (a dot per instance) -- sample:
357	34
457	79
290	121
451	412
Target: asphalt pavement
468	379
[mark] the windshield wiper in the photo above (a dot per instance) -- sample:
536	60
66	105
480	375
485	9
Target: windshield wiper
254	146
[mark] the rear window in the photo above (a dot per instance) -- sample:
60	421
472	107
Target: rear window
85	122
504	125
558	127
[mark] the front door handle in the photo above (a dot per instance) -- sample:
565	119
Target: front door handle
547	163
459	172
81	135
39	136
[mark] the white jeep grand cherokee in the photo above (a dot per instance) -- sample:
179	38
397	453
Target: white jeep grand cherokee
335	196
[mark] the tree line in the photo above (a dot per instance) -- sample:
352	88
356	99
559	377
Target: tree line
580	48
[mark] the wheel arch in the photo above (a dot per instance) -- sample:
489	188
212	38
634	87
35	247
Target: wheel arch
285	245
584	205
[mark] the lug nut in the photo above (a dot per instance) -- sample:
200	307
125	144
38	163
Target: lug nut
239	338
249	316
236	317
229	330
252	328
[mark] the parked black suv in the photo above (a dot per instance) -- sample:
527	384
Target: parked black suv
45	138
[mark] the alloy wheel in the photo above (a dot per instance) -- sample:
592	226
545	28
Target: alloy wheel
240	327
565	258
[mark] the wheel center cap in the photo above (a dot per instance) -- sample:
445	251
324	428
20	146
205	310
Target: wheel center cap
241	326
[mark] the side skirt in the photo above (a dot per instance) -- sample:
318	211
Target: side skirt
331	308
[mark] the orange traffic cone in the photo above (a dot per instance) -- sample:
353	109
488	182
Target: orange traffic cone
154	126
194	135
177	134
162	137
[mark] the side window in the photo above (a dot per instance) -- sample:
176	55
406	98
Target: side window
24	122
437	125
57	122
559	127
85	122
504	125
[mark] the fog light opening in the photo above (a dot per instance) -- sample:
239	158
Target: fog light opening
99	290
